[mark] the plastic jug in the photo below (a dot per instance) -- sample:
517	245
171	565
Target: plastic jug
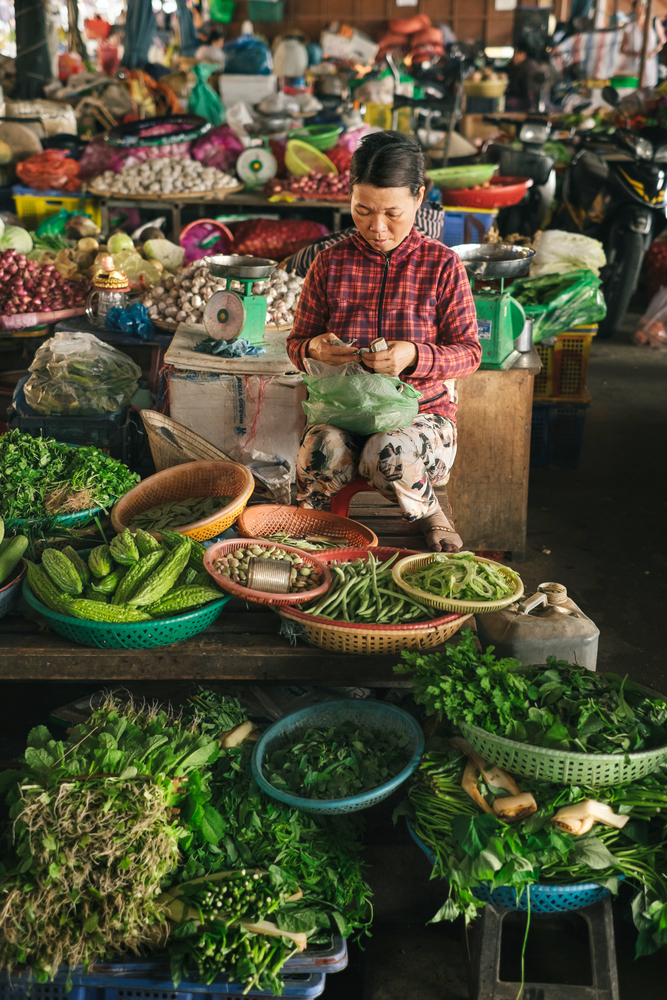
543	624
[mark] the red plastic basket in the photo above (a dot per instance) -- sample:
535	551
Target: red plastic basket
501	192
257	596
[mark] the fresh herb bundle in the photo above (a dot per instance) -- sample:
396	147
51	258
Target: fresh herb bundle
336	763
563	707
40	477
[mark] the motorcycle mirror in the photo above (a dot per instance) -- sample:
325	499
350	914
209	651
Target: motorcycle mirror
610	95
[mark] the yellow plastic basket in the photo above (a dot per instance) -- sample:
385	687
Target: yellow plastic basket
194	479
34	207
412	563
565	364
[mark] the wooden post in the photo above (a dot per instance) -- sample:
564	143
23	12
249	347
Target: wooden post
647	31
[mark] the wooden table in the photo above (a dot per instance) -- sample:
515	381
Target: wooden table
243	645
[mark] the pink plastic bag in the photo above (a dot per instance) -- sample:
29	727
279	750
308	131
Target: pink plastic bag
218	148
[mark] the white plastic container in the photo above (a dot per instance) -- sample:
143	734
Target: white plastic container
250	89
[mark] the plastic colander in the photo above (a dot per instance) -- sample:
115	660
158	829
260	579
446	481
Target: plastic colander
366	714
301	158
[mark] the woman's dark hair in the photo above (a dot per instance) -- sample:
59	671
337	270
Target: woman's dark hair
388	160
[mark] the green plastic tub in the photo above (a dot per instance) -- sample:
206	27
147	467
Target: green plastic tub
459	178
320	136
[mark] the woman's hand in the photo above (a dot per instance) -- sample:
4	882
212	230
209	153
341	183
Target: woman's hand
327	348
400	354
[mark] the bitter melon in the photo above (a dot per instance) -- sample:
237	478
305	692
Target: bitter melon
184	597
92	611
124	550
146	543
45	590
78	563
164	578
91	594
99	561
108	583
135	576
62	572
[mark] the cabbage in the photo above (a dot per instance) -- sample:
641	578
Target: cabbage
118	242
169	255
15	238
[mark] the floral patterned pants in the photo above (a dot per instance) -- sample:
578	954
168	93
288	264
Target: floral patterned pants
403	465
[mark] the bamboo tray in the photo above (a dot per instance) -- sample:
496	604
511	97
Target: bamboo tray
21	321
216	195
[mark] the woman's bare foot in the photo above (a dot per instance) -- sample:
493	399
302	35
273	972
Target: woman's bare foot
439	533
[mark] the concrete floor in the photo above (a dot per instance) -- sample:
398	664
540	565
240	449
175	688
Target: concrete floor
604	527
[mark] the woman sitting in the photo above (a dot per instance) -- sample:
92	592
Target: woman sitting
387	280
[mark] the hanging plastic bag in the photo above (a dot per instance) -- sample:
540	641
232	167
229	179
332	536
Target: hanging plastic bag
248	55
75	373
203	100
652	330
559	302
357	400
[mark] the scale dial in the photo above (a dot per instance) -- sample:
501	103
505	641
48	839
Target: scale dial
224	316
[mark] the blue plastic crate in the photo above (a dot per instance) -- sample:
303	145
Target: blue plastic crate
466	225
15	988
298	986
557	433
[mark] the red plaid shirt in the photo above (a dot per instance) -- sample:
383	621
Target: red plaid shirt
420	293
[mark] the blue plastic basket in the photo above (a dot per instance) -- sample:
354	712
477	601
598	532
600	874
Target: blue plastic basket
369	714
130	635
543	898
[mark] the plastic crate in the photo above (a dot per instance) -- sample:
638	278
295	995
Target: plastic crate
124	986
33	206
466	225
114	435
266	10
557	432
15	989
564	364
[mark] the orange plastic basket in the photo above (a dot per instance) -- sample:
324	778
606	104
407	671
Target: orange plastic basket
194	479
267	519
353	637
214	552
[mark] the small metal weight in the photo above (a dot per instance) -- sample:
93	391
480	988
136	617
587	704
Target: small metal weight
270	576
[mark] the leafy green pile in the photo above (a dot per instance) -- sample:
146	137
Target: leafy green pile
40	477
336	763
458	575
474	849
540	291
561	707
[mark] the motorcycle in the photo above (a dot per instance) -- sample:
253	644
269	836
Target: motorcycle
620	201
532	212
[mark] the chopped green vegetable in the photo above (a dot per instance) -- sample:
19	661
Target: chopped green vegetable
458	575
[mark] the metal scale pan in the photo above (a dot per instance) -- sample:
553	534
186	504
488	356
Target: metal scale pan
495	260
241	268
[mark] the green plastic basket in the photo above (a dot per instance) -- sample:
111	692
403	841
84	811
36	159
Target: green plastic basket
130	635
66	521
222	11
565	767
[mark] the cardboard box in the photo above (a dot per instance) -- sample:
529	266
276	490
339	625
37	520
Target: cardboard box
243	415
474	127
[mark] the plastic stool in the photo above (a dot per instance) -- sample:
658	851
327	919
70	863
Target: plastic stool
340	504
485	981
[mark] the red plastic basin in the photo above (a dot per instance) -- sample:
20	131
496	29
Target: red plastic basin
501	192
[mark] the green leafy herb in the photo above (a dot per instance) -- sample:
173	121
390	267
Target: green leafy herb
562	706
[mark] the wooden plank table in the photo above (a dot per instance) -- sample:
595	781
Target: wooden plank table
243	645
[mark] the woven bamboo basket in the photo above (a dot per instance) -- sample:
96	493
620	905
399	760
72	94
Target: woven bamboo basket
225	548
421	559
196	479
173	444
266	519
353	637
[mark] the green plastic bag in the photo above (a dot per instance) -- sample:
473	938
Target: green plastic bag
203	100
362	404
56	225
558	302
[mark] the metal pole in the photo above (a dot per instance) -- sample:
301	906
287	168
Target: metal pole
647	29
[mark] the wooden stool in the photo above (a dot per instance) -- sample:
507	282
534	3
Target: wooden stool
485	973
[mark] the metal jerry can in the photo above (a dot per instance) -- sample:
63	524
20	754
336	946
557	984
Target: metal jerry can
540	625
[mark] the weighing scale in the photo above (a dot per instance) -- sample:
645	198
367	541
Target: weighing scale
231	314
256	166
500	318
